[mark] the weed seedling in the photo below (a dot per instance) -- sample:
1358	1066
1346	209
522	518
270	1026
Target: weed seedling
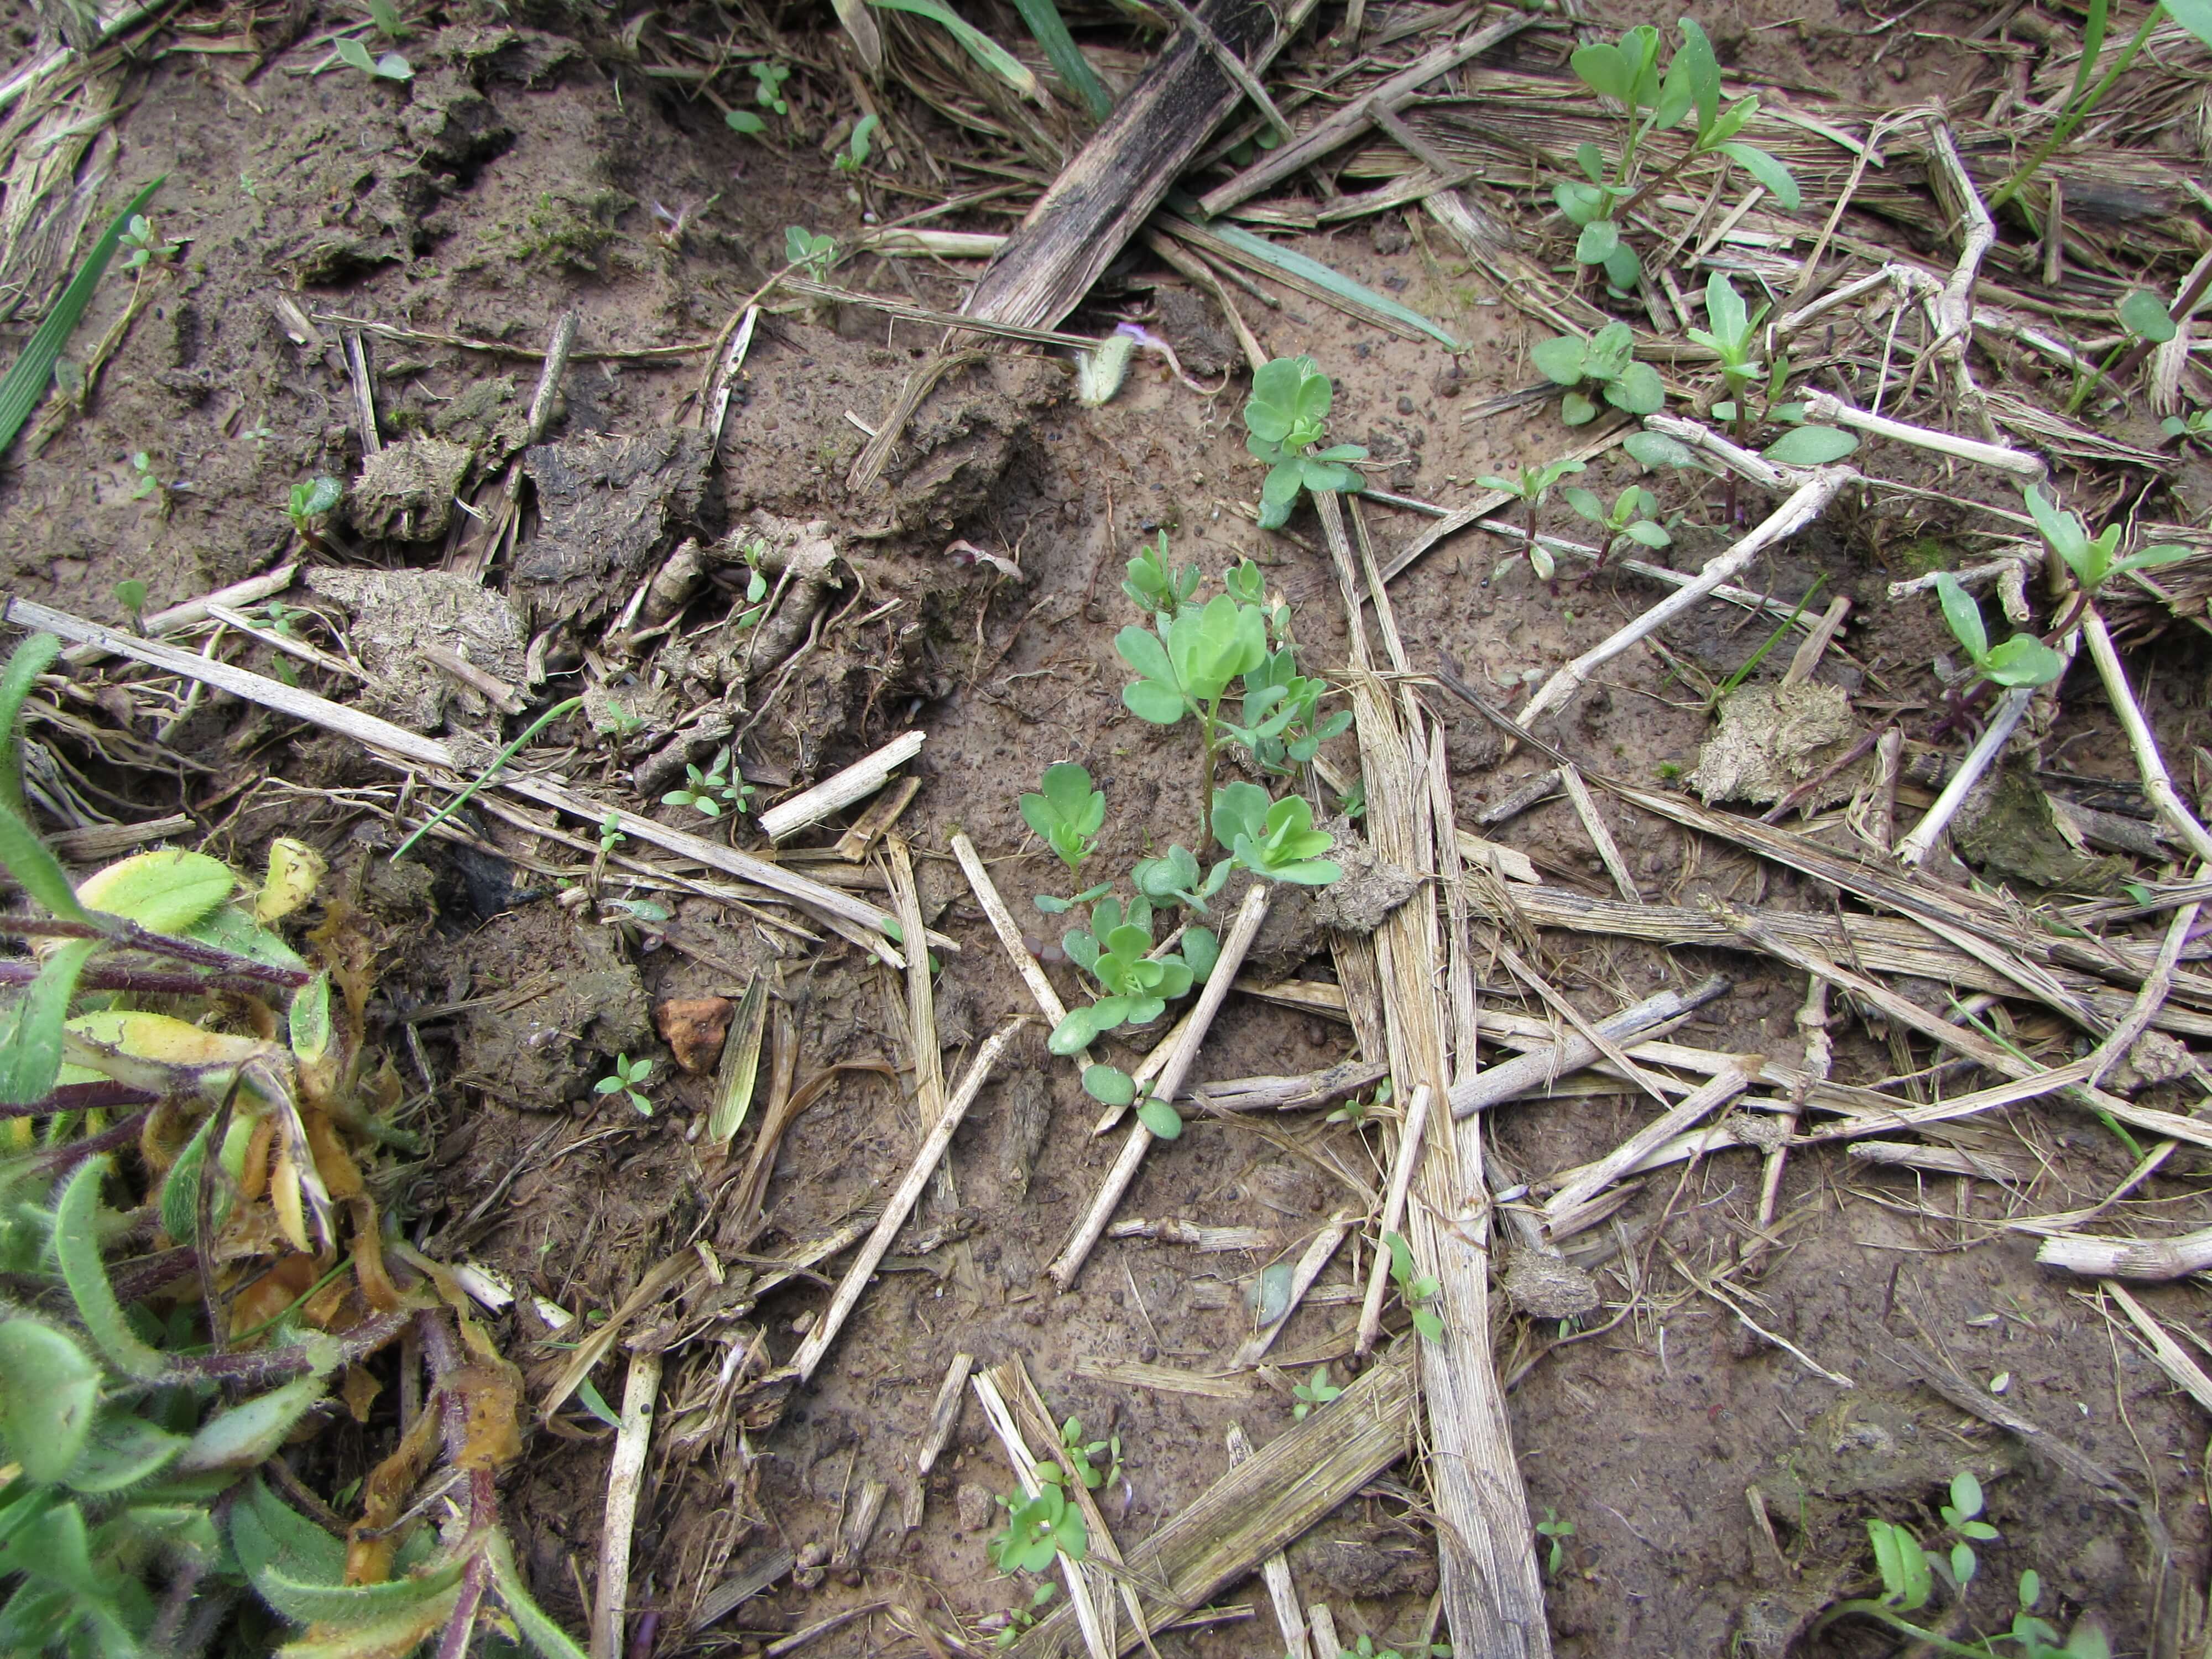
1353	802
853	155
809	254
1019	1619
130	594
1355	1112
143	247
389	23
707	793
769	77
1188	668
1630	519
1531	486
1079	1455
1316	1390
1603	365
390	67
309	502
2090	558
2143	320
626	1080
1154	588
1731	332
1274	840
610	834
1175	878
1417	1289
1042	1527
2195	426
1067	813
1558	1531
1286	417
1116	951
2023	659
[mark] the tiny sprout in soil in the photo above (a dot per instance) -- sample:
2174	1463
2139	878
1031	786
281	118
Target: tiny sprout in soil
2195	426
143	481
309	502
810	254
707	793
2090	558
1416	1289
145	246
2023	659
130	594
1067	813
2145	321
855	155
1156	589
626	1080
1019	1619
1040	1528
1558	1531
1079	1455
1631	518
1286	417
1316	1390
390	67
1530	487
610	835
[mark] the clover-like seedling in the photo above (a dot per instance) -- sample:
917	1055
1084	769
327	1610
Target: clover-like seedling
1354	1112
1042	1527
2023	659
1630	519
769	77
1156	588
1175	878
1188	668
143	246
628	1079
1531	485
1111	1085
1080	1455
2195	426
700	789
1067	813
1275	841
1286	417
808	253
390	67
1279	719
1961	1517
1020	1619
1116	951
1417	1289
309	502
1603	365
1316	1390
2090	557
1558	1531
610	834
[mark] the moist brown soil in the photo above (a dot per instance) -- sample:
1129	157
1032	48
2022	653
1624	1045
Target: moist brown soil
527	171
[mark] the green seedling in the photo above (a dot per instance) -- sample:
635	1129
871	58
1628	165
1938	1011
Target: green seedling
1175	878
1365	1648
621	723
1630	518
610	834
1557	1532
1066	813
2144	321
1353	802
809	254
628	1079
707	793
1530	486
2195	426
1154	588
1020	1619
1286	417
1274	840
1625	74
1187	667
1316	1390
1355	1112
853	155
389	23
390	67
309	502
142	247
1116	951
769	77
1079	1455
1417	1289
1732	332
2023	659
130	594
1603	365
1040	1528
1281	721
144	481
2090	558
745	121
1111	1085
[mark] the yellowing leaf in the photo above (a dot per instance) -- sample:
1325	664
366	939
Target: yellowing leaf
295	870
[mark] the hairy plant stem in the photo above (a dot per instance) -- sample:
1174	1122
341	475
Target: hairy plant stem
2083	108
128	935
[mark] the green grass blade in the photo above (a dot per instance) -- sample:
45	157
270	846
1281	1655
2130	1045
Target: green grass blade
1327	277
1045	20
487	775
30	659
2093	42
26	380
980	47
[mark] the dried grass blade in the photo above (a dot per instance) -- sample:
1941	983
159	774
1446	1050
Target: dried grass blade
734	1084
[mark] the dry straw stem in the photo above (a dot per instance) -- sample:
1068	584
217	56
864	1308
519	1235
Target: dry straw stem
1249	916
396	746
944	1418
2172	1358
1825	406
901	1203
1324	1246
841	789
1810	500
2155	987
2152	1260
193	612
1275	1570
1403	1162
1593	826
1010	933
1694	1108
2158	784
1094	1637
1257	1508
1497	1084
625	1472
2003	722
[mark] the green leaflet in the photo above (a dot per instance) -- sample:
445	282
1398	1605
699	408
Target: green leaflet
352	1606
31	1050
26	380
540	1631
979	45
37	871
49	1390
76	1250
25	664
247	1434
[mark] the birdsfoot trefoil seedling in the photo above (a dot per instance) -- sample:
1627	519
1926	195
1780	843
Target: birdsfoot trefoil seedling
1155	588
1603	365
1042	1527
1316	1390
1080	1455
1631	518
1417	1289
1116	951
1274	840
628	1079
1286	417
1067	813
1531	485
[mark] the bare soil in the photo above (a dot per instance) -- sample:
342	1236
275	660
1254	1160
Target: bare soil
530	168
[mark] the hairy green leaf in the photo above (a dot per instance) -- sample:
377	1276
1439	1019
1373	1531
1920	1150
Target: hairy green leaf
548	1638
244	1434
31	658
37	871
77	1251
48	1393
31	1041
